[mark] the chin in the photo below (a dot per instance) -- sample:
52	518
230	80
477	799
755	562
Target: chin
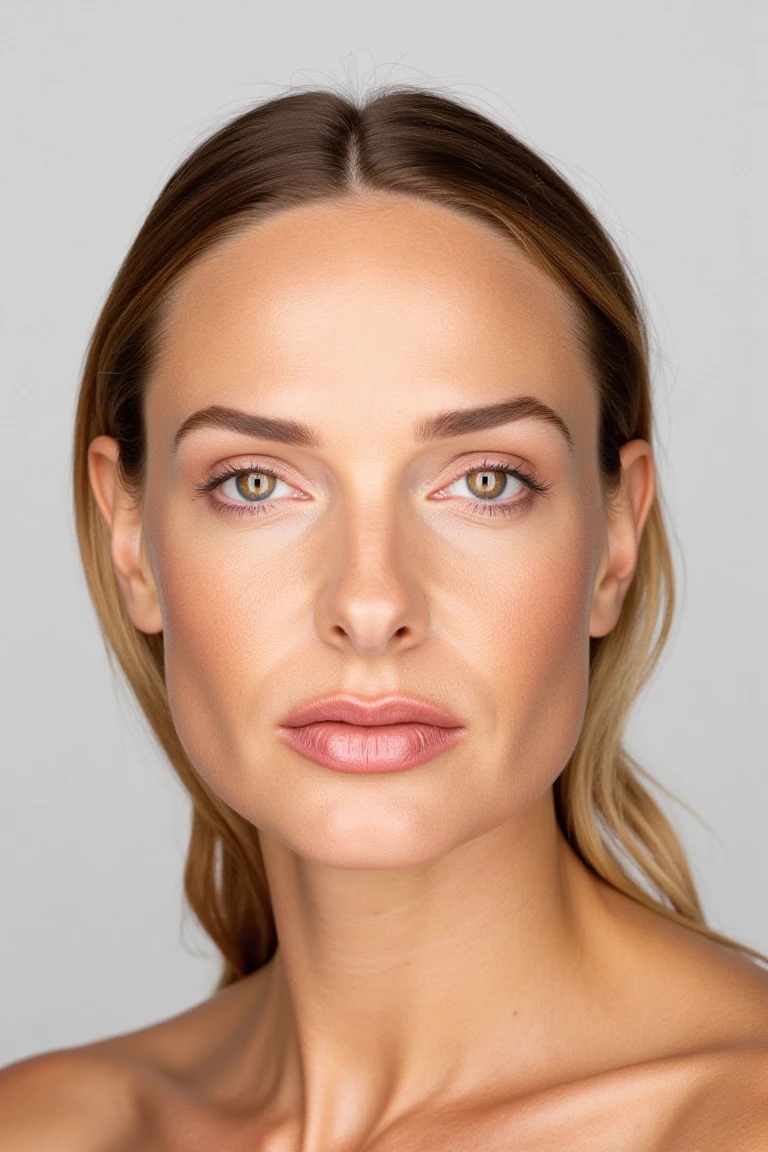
368	831
367	851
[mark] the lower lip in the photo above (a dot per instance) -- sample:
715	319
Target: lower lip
372	748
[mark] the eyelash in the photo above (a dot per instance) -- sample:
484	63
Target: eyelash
484	508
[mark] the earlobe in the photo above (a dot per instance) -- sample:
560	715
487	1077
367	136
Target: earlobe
122	513
627	513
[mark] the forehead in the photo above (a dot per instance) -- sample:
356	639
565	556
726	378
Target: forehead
368	302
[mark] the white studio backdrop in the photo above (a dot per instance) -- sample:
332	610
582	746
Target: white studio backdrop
654	112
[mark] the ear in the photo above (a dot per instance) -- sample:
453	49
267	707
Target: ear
627	513
123	515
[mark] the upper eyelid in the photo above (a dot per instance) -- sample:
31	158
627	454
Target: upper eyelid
525	471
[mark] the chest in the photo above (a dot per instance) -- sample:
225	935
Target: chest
595	1118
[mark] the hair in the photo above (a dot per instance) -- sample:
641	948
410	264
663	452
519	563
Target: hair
317	145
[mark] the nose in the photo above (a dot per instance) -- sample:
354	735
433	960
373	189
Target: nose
371	600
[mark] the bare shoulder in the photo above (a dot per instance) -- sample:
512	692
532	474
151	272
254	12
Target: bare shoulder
724	996
724	1106
105	1096
683	991
71	1099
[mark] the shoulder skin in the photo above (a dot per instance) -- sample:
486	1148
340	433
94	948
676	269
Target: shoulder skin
727	1111
66	1101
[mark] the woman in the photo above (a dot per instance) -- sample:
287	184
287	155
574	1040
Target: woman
367	505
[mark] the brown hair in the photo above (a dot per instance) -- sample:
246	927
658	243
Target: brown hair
317	145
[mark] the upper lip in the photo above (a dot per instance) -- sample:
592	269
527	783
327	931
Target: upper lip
385	710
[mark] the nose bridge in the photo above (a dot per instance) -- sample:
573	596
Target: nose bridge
370	593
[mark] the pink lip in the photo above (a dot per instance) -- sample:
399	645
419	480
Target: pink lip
354	735
385	710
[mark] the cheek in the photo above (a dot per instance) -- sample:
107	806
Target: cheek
535	653
227	613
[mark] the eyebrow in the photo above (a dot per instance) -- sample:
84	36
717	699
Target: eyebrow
455	422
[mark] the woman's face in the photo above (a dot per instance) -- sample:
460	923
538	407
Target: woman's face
374	564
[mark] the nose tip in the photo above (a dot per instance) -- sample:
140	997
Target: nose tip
372	628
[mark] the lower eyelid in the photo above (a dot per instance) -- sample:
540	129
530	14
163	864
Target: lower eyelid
504	508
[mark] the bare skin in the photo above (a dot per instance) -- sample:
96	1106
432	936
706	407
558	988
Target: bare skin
449	974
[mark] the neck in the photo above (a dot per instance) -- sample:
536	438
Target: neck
390	987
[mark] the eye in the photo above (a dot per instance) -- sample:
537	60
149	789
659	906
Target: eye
495	489
489	484
246	491
252	487
492	489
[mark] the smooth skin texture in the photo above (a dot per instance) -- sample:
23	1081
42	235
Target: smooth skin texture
449	974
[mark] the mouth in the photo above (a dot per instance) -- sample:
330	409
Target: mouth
350	734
